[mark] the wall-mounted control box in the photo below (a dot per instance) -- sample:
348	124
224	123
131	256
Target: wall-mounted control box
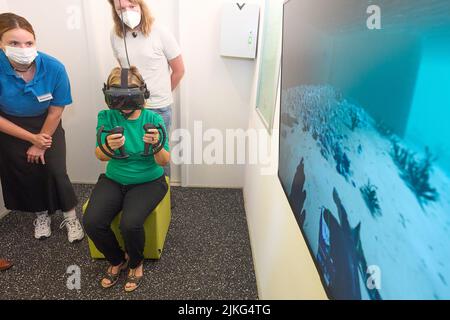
240	26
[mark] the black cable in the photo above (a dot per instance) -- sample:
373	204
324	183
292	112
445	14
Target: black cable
124	34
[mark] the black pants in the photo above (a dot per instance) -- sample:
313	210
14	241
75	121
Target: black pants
136	202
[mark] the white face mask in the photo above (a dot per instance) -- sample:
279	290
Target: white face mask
23	56
131	18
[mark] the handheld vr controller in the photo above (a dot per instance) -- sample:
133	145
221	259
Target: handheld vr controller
155	148
149	149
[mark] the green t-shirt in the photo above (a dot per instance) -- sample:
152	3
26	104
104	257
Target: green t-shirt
136	169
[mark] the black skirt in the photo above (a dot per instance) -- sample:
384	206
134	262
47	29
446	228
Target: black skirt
35	187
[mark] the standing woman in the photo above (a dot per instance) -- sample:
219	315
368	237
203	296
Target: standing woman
34	89
153	50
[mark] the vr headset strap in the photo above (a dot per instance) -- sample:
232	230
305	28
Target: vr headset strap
124	78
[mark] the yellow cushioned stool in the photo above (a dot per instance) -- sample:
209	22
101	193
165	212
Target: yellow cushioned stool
156	227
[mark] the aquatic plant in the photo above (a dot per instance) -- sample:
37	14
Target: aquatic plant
355	118
342	161
360	149
415	172
329	118
288	120
324	114
383	130
369	194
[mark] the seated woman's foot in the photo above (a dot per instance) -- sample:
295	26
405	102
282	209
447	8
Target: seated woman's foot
134	278
113	274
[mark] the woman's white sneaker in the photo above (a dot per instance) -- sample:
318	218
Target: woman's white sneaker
42	226
74	229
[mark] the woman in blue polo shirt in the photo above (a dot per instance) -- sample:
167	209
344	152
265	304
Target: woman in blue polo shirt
34	89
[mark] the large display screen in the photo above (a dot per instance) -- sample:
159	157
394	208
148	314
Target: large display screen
365	143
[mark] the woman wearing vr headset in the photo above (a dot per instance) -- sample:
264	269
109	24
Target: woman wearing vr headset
153	50
34	90
134	185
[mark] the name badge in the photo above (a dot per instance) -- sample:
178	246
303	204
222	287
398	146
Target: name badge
45	97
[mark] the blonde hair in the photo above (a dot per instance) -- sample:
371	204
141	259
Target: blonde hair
134	77
146	18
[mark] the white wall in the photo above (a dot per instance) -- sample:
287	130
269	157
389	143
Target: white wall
283	265
215	90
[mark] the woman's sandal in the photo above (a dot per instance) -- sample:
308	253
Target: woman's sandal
113	278
133	279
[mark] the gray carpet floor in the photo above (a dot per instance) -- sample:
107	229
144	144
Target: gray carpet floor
207	255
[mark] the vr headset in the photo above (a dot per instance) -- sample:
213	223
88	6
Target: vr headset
124	97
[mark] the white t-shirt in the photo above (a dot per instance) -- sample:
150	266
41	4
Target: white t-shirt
151	55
